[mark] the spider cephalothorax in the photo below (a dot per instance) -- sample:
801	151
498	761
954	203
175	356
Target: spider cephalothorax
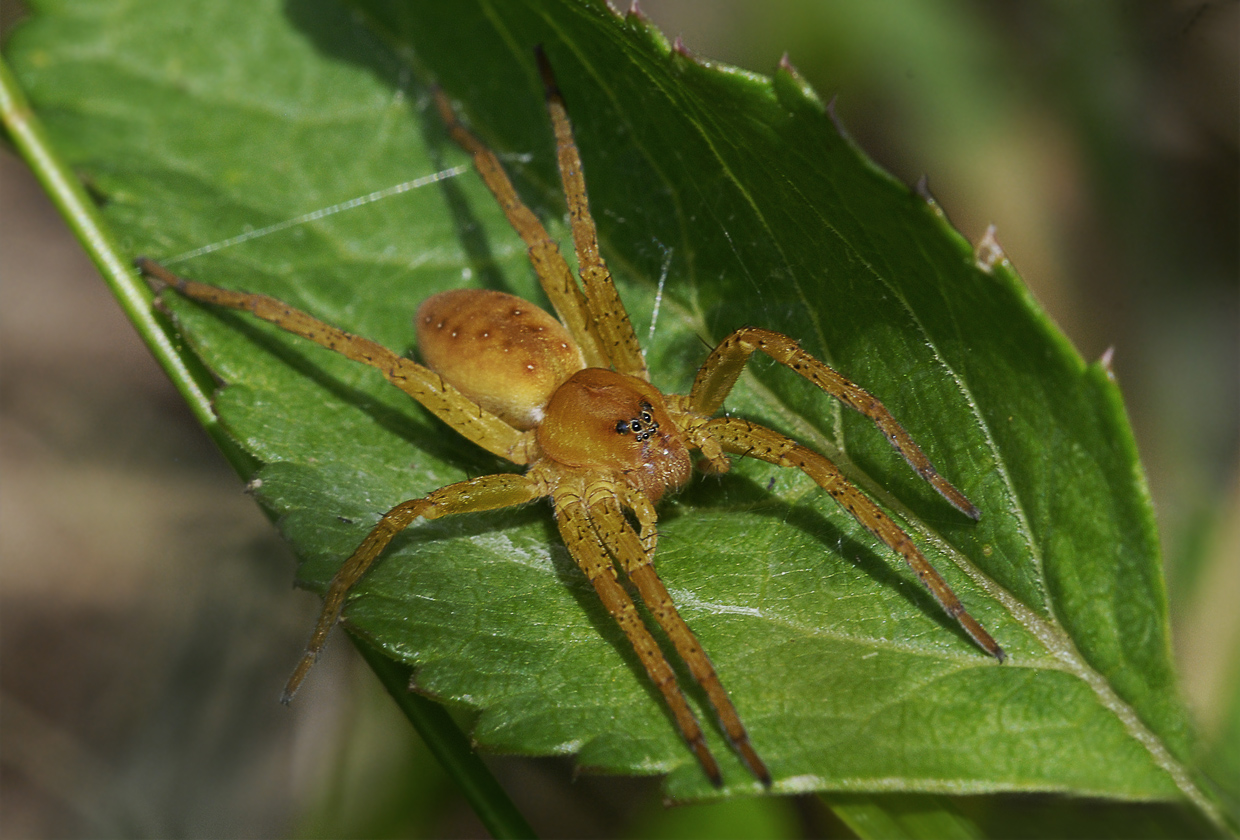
571	399
600	420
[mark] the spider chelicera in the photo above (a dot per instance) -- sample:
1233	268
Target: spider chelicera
571	400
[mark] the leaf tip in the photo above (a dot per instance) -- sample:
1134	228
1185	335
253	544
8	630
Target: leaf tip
785	64
1105	362
788	72
636	14
639	23
988	253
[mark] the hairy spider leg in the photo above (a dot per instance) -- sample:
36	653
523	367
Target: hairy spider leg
596	318
421	383
623	543
741	437
487	492
612	319
721	369
580	536
553	272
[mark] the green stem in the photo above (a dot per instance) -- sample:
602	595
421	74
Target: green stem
78	210
450	747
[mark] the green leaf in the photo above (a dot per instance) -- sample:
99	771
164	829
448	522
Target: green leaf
933	817
204	124
904	815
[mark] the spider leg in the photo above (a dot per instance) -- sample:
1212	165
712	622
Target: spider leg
744	438
721	369
578	531
620	342
421	383
486	492
556	277
614	531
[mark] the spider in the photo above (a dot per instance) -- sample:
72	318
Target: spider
571	401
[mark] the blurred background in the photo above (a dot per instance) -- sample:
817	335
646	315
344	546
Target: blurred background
146	620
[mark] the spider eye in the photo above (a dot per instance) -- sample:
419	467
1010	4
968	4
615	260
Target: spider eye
643	426
645	415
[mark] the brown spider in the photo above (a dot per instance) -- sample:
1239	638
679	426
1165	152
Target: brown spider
571	400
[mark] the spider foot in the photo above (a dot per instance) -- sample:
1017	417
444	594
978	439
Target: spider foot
704	757
299	674
755	764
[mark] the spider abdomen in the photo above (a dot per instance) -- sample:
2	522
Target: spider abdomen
502	352
619	424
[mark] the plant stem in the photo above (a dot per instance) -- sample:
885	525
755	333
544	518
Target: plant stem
26	133
450	746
